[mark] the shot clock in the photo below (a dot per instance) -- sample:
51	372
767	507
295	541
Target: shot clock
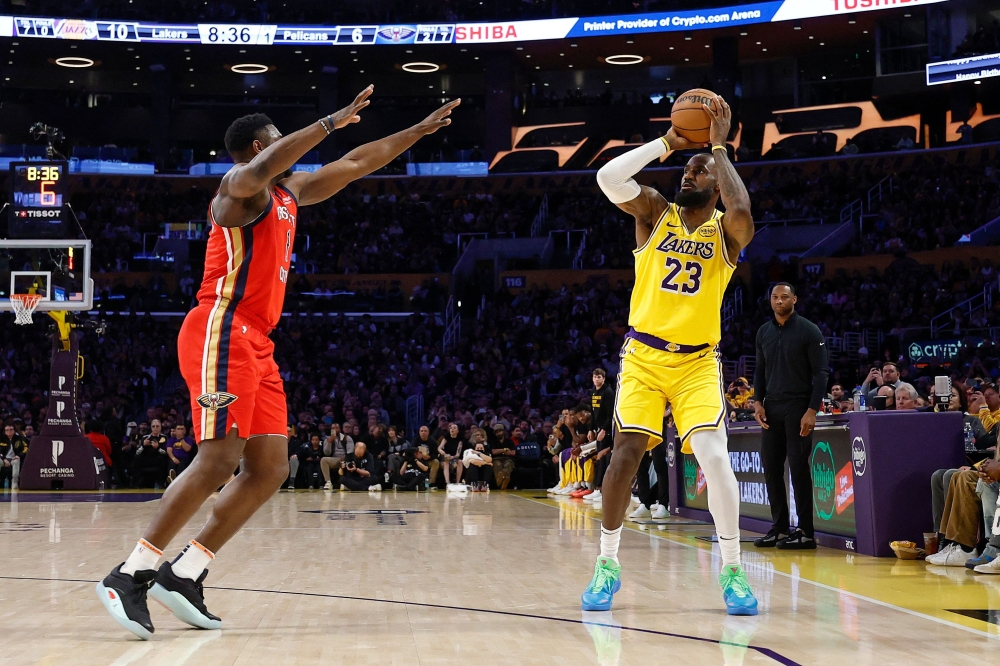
38	192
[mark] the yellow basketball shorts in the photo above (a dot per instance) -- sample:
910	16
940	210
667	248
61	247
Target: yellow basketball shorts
650	378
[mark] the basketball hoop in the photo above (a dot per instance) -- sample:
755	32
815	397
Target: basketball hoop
24	305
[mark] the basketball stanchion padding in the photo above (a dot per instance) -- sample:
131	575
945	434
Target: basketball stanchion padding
24	305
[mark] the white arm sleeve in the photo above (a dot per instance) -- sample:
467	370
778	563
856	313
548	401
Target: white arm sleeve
615	177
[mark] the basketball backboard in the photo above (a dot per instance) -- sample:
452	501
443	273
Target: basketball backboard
56	270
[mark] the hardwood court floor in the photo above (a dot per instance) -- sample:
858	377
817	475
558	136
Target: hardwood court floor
320	578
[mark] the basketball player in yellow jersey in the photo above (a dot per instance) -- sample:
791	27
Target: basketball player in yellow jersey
686	252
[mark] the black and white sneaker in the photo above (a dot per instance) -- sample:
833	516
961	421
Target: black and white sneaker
797	540
124	597
771	539
183	597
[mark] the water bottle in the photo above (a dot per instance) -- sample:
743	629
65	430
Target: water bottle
427	483
970	439
859	399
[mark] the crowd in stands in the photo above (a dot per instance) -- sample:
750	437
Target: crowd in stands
528	357
931	206
414	233
930	203
986	39
353	232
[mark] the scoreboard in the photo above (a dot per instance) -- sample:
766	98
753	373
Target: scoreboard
37	195
766	11
226	33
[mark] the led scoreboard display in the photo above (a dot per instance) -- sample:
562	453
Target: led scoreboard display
767	11
37	195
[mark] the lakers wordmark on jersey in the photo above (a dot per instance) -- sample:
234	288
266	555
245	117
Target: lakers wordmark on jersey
680	281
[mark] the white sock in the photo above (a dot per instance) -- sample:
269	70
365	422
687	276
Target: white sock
729	546
192	561
144	556
712	451
609	542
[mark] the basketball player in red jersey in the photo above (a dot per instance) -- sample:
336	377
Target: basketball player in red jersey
237	398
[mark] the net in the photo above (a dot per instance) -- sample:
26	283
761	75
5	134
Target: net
24	305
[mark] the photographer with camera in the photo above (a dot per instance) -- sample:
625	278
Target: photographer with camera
357	472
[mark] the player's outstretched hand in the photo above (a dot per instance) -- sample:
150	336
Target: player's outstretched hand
722	120
677	142
439	118
349	114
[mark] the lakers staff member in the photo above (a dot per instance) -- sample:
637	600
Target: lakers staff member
687	251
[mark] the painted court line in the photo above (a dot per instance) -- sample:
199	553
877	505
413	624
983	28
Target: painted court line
877	602
767	652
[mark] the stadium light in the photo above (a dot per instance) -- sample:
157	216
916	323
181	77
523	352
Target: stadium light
624	59
420	67
249	68
74	62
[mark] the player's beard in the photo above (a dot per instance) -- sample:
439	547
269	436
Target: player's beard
693	198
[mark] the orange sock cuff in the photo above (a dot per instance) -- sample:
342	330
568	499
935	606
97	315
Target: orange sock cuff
151	547
200	547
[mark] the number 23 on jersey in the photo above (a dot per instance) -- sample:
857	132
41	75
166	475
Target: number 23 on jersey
682	277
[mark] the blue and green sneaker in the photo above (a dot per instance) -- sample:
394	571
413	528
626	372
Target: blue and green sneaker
604	584
736	591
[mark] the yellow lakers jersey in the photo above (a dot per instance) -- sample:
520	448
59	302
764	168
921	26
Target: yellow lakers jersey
680	281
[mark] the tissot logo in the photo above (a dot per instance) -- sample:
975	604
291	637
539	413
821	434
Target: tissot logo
214	401
58	446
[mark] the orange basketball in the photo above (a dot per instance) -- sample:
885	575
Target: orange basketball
688	118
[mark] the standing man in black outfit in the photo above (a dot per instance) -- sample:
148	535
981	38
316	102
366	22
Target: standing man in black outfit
789	386
602	404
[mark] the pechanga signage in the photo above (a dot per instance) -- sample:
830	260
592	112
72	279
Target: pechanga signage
832	465
109	30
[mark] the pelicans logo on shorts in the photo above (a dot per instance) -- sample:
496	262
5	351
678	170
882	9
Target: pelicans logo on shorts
213	401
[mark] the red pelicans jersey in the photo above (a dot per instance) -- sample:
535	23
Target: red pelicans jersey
246	268
224	351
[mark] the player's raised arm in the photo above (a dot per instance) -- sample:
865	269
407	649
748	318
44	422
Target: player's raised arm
737	223
310	188
643	203
249	179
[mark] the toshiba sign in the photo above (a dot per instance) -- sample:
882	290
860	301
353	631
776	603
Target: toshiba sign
800	9
512	31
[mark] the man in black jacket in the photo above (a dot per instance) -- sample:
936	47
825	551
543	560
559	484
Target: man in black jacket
789	387
377	443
